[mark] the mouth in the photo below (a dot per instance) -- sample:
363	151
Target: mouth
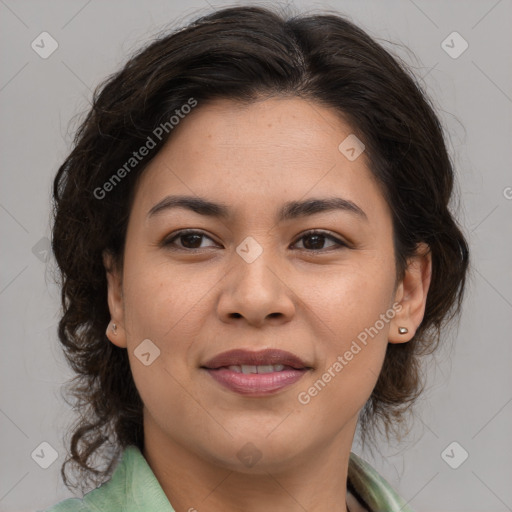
248	369
256	373
246	360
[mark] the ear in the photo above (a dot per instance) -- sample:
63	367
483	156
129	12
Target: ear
411	295
115	301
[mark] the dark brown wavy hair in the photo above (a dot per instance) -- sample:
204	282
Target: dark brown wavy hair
245	54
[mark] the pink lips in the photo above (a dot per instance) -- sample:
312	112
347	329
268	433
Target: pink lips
256	384
248	357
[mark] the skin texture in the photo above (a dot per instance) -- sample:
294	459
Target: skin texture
194	305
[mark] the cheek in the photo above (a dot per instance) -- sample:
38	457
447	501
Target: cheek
351	361
159	299
356	313
159	306
354	296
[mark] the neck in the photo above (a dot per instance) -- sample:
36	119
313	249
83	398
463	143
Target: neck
310	481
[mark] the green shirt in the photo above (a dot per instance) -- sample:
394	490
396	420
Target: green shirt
134	488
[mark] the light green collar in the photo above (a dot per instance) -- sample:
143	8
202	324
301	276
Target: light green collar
134	487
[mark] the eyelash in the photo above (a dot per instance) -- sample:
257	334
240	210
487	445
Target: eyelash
168	243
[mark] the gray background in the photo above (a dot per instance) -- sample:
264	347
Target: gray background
469	398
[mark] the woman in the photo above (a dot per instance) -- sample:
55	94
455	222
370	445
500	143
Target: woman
256	248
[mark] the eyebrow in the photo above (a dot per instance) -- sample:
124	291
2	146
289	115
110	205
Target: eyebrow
290	210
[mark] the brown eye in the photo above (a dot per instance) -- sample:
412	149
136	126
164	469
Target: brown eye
189	239
315	240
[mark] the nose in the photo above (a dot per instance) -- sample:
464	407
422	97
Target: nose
256	292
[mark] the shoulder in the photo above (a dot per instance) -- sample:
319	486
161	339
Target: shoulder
105	495
133	487
68	505
372	489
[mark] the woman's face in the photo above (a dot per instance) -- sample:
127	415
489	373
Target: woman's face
254	279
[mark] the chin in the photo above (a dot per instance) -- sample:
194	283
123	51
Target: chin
253	453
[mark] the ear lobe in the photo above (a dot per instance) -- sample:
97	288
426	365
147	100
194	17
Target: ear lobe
115	301
412	294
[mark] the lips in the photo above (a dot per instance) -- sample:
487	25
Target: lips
240	357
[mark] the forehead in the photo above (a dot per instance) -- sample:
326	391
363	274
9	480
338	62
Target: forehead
269	151
288	127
